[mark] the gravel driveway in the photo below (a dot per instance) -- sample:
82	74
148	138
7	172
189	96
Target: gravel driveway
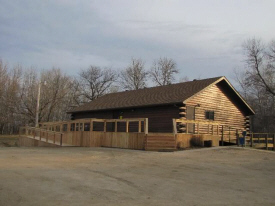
103	176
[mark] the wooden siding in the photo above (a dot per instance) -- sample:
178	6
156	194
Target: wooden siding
216	99
159	117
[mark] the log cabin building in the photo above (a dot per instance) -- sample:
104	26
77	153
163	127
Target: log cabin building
213	99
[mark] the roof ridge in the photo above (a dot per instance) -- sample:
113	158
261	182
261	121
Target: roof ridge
165	85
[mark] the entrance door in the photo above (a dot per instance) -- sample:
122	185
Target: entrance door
190	115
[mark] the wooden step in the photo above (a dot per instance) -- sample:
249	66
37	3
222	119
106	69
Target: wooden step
161	140
161	150
161	144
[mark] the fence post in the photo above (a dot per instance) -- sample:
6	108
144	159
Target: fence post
237	137
251	139
115	126
198	126
222	135
127	126
92	126
266	142
175	127
40	134
54	137
34	134
61	135
146	126
139	126
244	140
212	129
274	142
105	125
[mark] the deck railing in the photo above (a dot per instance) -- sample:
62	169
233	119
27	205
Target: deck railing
262	140
141	125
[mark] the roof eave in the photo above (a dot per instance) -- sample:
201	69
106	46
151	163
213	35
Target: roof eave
141	106
231	86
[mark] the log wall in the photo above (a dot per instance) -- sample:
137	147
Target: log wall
227	112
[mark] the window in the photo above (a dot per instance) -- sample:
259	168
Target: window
86	126
209	115
72	126
65	127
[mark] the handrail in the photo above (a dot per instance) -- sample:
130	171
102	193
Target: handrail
43	130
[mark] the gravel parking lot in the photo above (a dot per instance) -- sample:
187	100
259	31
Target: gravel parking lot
104	176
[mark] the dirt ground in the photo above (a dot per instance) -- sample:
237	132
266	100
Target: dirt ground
104	176
9	140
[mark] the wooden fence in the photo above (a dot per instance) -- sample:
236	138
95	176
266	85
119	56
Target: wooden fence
262	140
207	127
226	133
120	133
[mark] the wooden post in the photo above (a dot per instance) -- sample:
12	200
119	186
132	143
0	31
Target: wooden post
139	126
266	142
187	128
245	140
217	129
34	134
212	129
146	126
251	139
61	137
105	124
40	134
127	126
54	137
222	135
115	126
92	126
90	137
237	137
47	139
198	126
174	127
230	136
274	142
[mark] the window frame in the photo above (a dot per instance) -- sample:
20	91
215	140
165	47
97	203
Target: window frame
210	115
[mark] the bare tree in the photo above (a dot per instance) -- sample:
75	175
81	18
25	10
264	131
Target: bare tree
163	70
260	63
55	95
134	76
93	83
257	83
184	79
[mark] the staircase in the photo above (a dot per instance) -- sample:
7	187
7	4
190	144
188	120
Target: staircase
160	143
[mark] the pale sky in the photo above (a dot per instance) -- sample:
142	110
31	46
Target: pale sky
204	37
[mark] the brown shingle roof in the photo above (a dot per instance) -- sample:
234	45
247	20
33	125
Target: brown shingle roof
169	94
